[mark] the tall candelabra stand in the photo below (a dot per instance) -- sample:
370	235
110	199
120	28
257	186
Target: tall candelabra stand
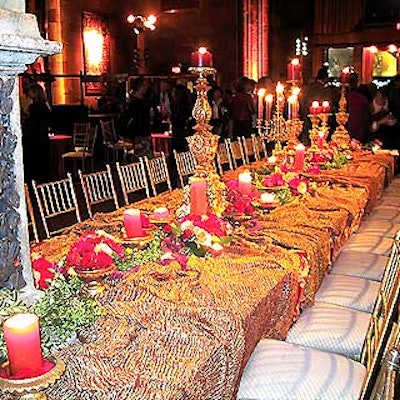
204	143
278	131
341	136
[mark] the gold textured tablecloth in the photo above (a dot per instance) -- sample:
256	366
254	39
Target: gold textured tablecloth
189	335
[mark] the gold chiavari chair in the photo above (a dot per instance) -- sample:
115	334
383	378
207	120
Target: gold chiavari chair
388	376
357	292
133	179
98	187
56	199
278	369
158	172
249	149
223	157
236	150
185	164
31	215
352	333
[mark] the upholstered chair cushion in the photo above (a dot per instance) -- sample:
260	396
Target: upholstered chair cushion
283	371
365	265
375	244
349	291
332	328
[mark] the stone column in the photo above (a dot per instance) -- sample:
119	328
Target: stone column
20	45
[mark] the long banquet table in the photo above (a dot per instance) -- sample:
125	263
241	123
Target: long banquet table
190	334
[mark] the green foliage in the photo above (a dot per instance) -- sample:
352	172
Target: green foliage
135	256
62	311
339	160
283	195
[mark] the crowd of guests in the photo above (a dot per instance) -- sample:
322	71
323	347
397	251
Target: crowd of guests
159	106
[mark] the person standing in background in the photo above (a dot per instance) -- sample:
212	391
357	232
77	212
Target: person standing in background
138	116
242	109
35	136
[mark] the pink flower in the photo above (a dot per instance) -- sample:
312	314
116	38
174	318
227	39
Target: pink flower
314	169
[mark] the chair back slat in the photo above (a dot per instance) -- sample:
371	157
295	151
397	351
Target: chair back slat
185	164
133	179
55	199
98	187
158	172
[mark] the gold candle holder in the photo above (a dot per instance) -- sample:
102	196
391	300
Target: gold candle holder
324	117
314	131
204	143
341	136
32	388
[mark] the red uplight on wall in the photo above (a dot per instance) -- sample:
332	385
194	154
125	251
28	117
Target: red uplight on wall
94	43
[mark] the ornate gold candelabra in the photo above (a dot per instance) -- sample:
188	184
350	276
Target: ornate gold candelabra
32	388
314	131
204	143
341	136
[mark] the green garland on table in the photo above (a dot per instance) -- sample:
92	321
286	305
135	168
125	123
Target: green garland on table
135	257
62	311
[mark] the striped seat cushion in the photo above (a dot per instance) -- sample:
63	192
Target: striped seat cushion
379	227
374	244
331	328
391	200
349	291
283	371
365	265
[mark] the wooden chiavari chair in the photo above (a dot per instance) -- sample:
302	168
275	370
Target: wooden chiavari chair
56	199
133	179
98	187
260	147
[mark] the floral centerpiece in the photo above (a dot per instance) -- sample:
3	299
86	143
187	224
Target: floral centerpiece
95	250
195	235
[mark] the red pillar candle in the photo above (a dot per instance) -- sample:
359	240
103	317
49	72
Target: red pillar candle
133	223
244	183
201	58
326	107
294	70
299	157
22	337
198	197
315	108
